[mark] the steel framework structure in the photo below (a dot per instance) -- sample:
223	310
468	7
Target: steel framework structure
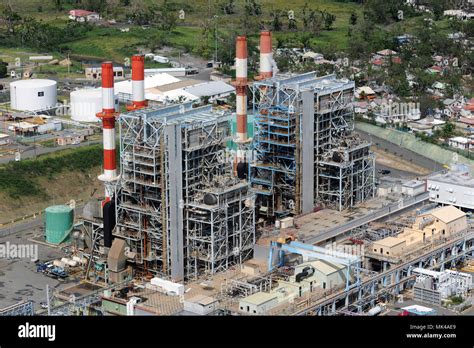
220	226
168	156
304	152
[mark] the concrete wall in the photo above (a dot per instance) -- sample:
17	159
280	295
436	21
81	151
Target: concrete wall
261	308
410	142
382	249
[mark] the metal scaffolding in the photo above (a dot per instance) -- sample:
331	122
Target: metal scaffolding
220	226
304	152
168	156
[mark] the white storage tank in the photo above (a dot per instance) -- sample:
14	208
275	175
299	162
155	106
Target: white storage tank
86	103
32	95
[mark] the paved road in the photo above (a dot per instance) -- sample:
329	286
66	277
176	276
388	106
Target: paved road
31	224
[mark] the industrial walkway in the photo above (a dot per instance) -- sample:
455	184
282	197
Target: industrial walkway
378	214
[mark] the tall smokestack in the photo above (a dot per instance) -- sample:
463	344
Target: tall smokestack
241	91
108	126
266	55
138	83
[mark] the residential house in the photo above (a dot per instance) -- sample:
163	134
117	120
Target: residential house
83	16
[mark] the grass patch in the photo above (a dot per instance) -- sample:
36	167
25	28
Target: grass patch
19	179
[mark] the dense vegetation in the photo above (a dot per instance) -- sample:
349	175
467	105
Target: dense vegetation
19	179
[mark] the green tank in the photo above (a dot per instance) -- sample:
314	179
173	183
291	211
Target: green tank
59	220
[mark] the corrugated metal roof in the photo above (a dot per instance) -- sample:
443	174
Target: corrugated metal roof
210	88
150	82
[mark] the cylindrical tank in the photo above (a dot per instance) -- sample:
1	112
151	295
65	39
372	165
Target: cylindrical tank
58	223
32	95
86	103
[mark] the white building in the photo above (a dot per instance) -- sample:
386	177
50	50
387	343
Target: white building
95	73
455	188
461	143
413	187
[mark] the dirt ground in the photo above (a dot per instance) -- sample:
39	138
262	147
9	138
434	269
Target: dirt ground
394	161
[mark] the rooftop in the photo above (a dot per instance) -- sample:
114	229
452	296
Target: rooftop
327	268
447	214
259	298
390	241
413	183
307	81
455	178
183	114
210	88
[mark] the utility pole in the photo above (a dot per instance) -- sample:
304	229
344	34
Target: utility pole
215	35
47	300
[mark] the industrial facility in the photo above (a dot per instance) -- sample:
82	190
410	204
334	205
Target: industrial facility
304	151
210	211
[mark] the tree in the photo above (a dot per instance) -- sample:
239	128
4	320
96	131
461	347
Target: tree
353	18
253	8
113	7
276	20
167	16
328	19
10	17
305	16
3	69
139	13
157	41
58	5
292	24
315	22
94	5
227	7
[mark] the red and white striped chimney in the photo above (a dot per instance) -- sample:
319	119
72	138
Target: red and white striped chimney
108	126
241	91
266	55
138	83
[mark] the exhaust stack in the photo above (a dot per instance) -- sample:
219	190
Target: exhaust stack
138	83
241	91
266	55
107	116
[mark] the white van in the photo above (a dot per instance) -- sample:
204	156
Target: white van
161	59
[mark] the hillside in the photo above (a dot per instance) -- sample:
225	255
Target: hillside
32	185
111	43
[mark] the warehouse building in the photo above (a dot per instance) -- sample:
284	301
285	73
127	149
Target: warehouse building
455	187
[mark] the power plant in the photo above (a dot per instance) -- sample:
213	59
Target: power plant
187	226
